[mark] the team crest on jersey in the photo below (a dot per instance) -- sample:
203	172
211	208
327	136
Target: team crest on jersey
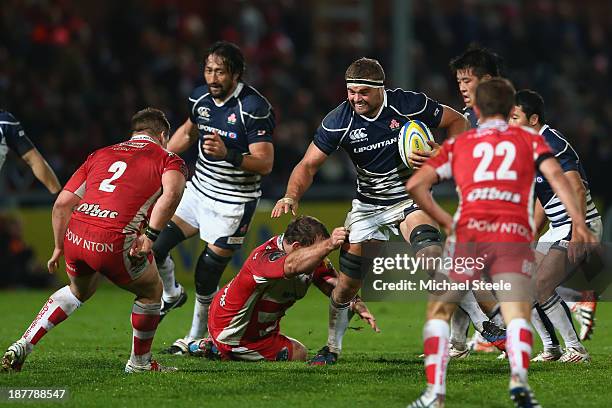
358	135
275	256
204	112
394	124
231	119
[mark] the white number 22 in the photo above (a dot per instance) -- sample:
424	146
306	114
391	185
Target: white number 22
118	168
486	151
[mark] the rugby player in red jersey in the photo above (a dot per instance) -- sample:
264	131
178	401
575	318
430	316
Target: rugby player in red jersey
97	220
244	318
494	168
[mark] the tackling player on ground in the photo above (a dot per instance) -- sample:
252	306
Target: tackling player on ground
366	126
233	124
502	159
551	251
114	194
244	318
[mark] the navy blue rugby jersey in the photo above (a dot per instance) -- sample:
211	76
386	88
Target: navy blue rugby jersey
372	142
244	118
470	115
569	161
12	136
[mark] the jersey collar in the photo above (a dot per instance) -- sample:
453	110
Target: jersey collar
279	242
383	106
542	129
493	123
143	137
233	95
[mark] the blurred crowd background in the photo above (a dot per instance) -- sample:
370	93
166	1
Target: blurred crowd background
74	72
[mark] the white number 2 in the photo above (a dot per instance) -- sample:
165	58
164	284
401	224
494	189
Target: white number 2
486	151
118	168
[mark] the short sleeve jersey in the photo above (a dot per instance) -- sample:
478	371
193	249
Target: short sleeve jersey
494	168
371	143
246	117
12	136
120	184
569	161
251	305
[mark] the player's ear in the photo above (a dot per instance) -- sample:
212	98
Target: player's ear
295	245
534	119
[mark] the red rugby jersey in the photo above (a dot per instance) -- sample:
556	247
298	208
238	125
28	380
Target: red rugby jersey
119	184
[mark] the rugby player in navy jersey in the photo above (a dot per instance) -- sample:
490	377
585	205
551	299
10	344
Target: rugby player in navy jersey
13	136
366	126
551	250
470	68
233	123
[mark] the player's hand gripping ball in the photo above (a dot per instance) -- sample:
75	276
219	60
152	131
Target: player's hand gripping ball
414	142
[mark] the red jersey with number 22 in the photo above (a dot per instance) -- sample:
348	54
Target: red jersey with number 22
494	169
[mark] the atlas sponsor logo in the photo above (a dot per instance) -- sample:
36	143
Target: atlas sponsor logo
93	210
513	228
89	245
376	146
493	194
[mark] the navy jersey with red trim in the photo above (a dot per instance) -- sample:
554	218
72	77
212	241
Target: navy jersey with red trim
246	117
371	143
12	136
569	161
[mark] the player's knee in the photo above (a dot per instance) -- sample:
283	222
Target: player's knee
440	310
426	240
169	237
209	270
83	294
351	265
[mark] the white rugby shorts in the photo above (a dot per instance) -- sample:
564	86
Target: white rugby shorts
559	237
221	224
370	221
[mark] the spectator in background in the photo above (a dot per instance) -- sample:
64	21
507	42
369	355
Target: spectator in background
69	69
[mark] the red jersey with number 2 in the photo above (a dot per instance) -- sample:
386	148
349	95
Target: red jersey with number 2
119	184
494	169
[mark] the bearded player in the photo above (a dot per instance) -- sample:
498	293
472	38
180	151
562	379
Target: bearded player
494	169
366	126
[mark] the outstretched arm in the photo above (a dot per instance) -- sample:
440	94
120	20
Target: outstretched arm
42	171
299	181
306	259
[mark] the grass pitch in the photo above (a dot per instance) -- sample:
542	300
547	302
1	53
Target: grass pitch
86	355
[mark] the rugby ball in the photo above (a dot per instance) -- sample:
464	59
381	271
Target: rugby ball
413	136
